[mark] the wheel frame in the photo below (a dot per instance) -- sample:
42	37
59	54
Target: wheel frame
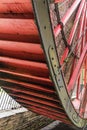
43	21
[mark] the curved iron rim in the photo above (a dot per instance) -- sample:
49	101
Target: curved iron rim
42	17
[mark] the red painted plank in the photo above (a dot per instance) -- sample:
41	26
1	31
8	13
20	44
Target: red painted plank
26	78
9	82
30	92
46	107
16	6
47	112
25	67
19	30
50	115
21	50
54	112
31	98
17	16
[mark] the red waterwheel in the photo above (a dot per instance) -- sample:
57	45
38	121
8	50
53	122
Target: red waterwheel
43	63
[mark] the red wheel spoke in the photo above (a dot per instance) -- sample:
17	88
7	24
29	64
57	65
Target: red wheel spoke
66	17
77	69
72	33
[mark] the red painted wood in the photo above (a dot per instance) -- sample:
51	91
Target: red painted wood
66	17
77	70
46	107
9	82
80	11
55	115
25	67
21	50
16	6
31	92
26	78
32	98
50	116
16	15
18	30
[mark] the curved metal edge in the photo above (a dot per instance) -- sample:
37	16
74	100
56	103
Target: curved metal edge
41	10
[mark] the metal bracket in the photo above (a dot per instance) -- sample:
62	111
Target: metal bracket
53	60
